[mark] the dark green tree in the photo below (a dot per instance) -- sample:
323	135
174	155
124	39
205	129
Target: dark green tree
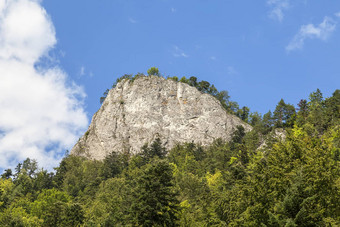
255	119
102	99
154	200
193	81
243	113
332	109
223	97
7	174
203	86
74	215
156	149
30	165
302	112
284	114
233	107
43	180
114	164
316	97
267	122
213	90
279	113
316	114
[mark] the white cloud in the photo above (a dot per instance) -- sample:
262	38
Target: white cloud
337	14
311	31
173	10
41	115
84	72
177	52
278	7
213	58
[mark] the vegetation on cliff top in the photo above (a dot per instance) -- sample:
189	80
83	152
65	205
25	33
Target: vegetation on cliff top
203	86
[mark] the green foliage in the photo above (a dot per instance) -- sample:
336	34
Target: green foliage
7	174
124	77
284	115
223	97
154	150
111	204
50	206
302	113
153	71
154	201
267	122
6	188
17	216
174	78
82	177
243	113
203	86
114	164
102	99
55	208
255	179
43	180
184	80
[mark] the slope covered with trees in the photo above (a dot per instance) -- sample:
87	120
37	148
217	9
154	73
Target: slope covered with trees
256	179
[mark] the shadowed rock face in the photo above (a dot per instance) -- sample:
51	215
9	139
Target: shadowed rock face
135	113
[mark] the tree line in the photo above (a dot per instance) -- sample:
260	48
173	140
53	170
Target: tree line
255	179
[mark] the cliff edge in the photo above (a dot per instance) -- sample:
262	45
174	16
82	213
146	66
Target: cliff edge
136	112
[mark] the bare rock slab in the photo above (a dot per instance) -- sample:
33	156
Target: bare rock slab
136	112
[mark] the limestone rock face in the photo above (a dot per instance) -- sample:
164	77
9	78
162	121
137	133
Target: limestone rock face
136	112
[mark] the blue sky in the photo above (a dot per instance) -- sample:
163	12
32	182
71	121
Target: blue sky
62	55
240	46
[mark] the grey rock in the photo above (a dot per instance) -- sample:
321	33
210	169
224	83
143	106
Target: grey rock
277	135
136	112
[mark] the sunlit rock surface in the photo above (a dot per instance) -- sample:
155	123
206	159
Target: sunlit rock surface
136	112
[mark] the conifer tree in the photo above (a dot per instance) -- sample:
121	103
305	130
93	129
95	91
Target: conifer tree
155	202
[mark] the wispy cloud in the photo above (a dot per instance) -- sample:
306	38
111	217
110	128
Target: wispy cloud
177	52
277	8
173	10
321	31
231	70
82	71
213	58
132	21
43	116
337	14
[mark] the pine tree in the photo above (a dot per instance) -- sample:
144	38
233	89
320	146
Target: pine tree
154	201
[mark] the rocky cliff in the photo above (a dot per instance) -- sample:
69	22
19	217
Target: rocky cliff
136	112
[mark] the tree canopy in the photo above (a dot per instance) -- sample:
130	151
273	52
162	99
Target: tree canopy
255	179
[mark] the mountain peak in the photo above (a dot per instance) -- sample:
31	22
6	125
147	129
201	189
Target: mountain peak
138	111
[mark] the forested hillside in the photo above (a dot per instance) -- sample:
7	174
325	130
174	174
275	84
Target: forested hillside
285	172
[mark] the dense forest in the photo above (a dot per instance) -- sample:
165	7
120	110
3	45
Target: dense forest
285	172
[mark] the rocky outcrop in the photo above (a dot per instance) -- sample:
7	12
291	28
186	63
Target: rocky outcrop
277	135
136	112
